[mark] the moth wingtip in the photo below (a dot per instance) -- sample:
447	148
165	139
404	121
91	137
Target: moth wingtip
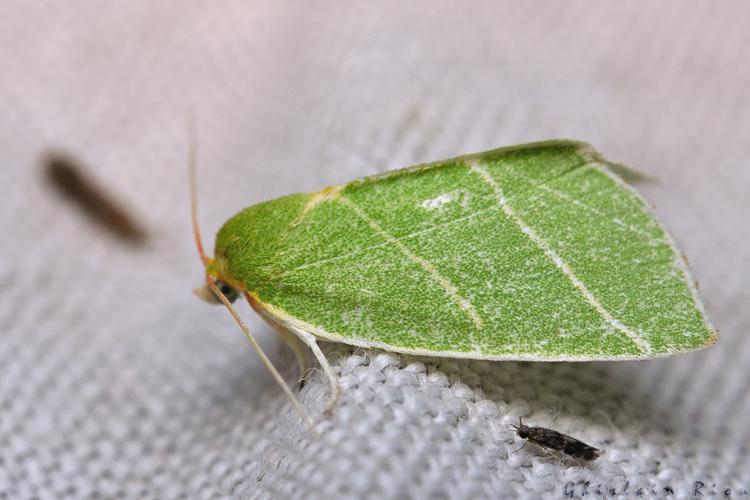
588	153
711	339
591	155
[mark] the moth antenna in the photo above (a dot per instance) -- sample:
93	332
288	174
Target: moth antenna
192	155
267	362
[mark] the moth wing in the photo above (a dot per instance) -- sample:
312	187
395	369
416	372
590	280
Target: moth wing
534	252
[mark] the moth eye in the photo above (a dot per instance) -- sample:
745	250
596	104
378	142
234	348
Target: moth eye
207	295
523	433
228	290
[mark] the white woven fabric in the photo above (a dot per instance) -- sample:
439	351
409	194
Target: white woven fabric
115	382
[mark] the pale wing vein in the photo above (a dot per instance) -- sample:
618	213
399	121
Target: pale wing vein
408	236
449	288
639	341
585	206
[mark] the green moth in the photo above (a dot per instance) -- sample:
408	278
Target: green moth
533	252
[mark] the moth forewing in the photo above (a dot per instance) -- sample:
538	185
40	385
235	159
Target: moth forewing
557	441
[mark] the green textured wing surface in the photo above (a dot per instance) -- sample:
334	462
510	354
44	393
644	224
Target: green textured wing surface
529	252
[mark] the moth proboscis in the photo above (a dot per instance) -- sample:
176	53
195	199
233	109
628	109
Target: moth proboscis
557	441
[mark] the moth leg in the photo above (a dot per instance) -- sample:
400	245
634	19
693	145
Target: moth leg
333	380
549	454
297	345
521	448
579	464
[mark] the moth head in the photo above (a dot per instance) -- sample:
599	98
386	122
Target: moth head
207	295
521	430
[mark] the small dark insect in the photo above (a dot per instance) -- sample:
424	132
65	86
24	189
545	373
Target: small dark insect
553	440
69	179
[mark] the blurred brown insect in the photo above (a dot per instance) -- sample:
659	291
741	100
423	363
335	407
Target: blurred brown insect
69	179
557	441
